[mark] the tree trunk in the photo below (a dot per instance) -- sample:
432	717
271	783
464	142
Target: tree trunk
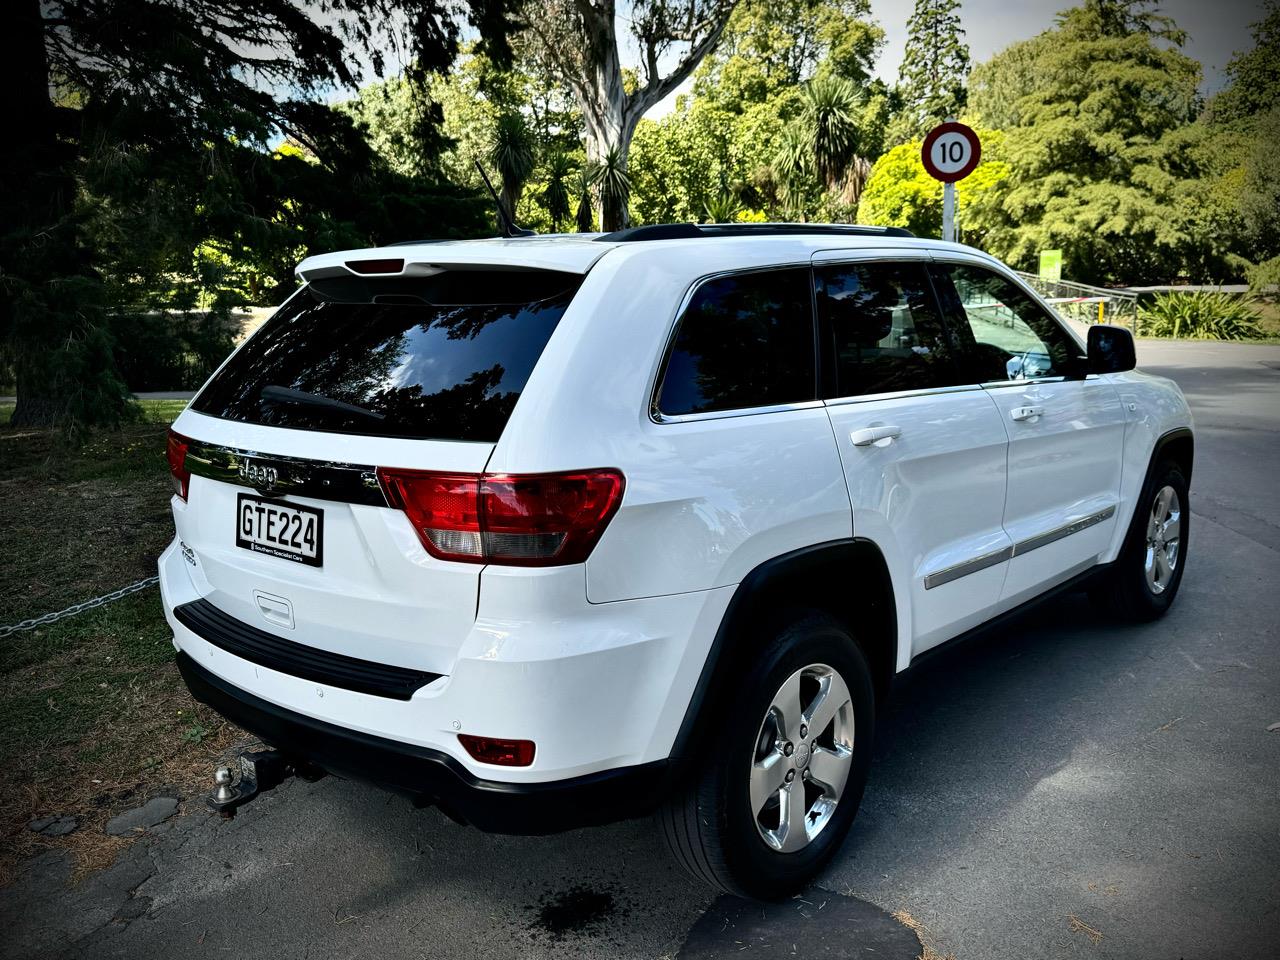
37	211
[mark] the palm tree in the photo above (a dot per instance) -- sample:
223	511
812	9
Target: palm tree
831	116
614	186
790	168
555	195
582	184
512	153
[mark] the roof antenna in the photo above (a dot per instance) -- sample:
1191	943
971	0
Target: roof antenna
509	228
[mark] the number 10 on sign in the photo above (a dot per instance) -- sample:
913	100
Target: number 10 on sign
950	152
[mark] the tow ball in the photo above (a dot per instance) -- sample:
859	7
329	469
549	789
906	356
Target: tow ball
259	770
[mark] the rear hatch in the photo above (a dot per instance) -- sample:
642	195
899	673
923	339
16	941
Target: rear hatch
286	521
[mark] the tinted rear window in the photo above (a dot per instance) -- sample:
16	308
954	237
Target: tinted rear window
441	357
745	340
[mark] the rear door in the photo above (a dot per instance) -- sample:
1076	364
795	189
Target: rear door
1066	429
924	451
286	527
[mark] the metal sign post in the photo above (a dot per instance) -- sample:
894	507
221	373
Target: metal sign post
950	152
949	212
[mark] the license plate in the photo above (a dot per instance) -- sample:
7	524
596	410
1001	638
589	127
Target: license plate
280	529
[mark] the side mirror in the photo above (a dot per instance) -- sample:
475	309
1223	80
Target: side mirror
1111	350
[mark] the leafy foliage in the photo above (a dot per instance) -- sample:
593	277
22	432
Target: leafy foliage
1199	315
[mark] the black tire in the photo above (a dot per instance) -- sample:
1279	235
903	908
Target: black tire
709	824
1124	589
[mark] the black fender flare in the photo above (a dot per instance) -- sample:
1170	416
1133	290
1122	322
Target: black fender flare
836	567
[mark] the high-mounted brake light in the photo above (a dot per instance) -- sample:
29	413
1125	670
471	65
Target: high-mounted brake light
531	520
506	753
176	454
375	266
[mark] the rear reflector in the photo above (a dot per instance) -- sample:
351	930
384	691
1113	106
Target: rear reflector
533	520
176	454
505	753
375	266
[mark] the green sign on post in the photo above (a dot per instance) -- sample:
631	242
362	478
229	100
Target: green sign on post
1051	265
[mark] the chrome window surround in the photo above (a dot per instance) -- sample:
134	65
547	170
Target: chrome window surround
921	255
1018	549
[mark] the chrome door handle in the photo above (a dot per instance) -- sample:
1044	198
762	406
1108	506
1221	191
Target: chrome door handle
1025	413
869	435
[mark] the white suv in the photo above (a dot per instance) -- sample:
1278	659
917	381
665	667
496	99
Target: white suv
553	531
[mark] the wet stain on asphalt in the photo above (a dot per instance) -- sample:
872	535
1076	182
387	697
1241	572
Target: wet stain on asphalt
577	910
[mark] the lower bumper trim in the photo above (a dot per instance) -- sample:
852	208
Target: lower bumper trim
432	776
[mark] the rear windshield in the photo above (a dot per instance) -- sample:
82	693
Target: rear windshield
442	357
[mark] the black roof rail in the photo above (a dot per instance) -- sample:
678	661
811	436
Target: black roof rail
690	231
410	243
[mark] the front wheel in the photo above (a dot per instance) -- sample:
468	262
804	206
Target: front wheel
1143	581
779	782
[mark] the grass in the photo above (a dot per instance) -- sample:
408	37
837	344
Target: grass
94	718
153	411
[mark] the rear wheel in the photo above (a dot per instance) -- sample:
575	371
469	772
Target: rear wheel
1143	581
781	778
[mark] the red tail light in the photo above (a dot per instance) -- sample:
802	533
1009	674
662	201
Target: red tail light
506	753
533	520
176	452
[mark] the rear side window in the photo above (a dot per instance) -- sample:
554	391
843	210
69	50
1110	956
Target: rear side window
745	340
881	326
442	357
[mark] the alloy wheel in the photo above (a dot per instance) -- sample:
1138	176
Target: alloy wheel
1164	539
802	757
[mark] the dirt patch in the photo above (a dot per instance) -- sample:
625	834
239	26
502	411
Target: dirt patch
94	718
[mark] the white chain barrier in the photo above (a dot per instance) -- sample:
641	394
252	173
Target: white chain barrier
25	625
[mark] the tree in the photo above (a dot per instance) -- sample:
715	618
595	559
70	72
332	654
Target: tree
1238	133
934	67
831	105
576	40
161	81
512	154
1101	165
555	192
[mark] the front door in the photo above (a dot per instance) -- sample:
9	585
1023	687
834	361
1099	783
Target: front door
924	453
1066	429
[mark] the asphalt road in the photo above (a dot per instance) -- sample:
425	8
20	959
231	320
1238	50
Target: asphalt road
1062	788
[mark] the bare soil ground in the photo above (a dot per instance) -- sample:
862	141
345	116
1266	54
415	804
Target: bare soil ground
94	718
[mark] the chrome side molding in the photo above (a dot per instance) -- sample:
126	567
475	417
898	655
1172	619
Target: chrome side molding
959	570
967	567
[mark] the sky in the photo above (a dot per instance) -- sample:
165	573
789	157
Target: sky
1216	29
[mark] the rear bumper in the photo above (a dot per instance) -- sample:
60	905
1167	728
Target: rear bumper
434	777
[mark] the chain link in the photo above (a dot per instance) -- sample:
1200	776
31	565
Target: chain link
75	608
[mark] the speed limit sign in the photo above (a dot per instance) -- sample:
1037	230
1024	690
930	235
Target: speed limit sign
950	151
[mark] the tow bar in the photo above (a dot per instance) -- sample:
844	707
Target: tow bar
259	770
